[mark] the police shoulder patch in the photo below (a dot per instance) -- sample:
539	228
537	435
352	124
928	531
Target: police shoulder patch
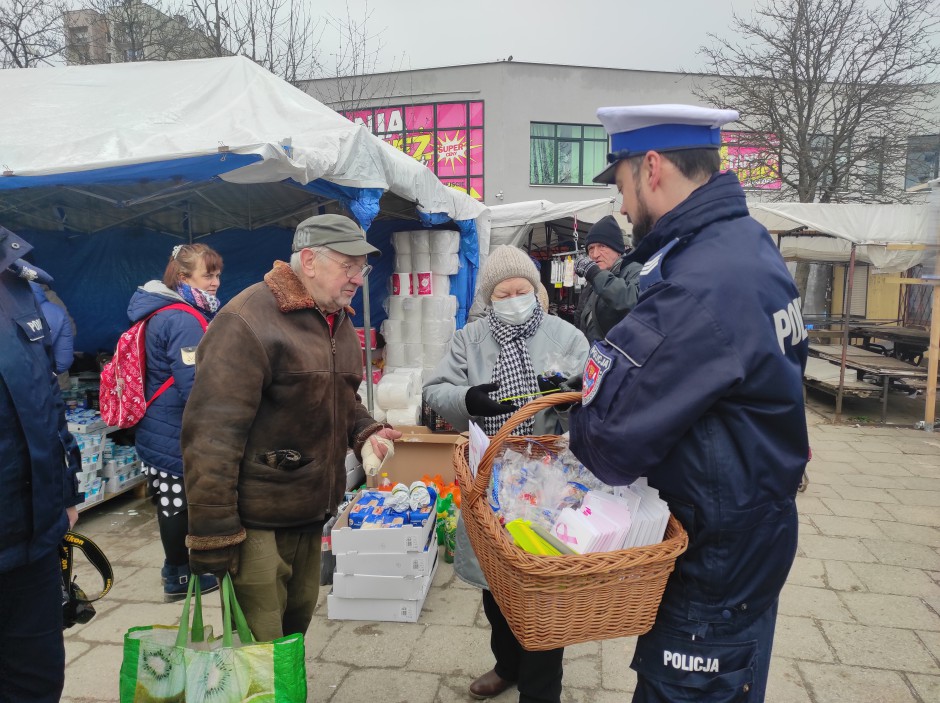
598	364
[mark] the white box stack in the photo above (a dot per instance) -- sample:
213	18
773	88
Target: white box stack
383	573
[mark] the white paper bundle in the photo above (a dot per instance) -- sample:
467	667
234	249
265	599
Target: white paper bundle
433	353
438	307
445	242
403	263
395	391
393	306
440	284
395	354
414	372
420	242
404	416
402	242
447	264
392	331
420	261
411	309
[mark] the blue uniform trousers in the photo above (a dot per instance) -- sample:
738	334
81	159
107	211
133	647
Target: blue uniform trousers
32	652
725	662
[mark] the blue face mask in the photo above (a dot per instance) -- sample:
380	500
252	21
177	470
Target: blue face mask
515	311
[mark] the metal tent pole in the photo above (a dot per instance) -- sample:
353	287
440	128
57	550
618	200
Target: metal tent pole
846	311
367	342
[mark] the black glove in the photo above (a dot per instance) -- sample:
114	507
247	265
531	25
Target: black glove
550	384
479	403
574	383
586	268
215	561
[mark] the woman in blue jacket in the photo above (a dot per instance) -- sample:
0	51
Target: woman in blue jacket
192	279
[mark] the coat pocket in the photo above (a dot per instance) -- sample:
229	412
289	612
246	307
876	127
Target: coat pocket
678	668
283	459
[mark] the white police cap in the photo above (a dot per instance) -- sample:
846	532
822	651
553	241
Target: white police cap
637	129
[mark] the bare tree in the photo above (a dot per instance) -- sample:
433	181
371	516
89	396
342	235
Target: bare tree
835	86
30	32
351	68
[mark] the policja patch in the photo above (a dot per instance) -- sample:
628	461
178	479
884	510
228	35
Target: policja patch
597	365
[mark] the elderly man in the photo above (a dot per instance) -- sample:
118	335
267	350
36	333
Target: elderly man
611	289
702	384
267	425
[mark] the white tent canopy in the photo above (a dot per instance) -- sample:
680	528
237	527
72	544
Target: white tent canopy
140	113
872	228
512	223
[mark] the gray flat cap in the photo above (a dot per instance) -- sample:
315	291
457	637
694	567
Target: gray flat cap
334	232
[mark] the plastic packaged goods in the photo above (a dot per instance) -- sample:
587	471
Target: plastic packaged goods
385	483
395	390
420	261
447	264
394	355
437	331
401	284
444	242
440	285
392	331
410	416
410	331
403	263
402	242
420	242
439	307
411	309
394	306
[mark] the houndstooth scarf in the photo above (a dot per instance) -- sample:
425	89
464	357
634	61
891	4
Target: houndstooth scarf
513	370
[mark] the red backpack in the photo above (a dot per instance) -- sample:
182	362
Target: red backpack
121	396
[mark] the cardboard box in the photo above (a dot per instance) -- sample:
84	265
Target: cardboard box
390	563
418	452
380	609
347	540
382	587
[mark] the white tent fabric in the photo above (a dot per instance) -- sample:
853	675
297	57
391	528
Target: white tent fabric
871	227
170	110
511	223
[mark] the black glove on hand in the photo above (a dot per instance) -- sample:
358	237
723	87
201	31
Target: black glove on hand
550	384
479	403
215	561
574	383
586	268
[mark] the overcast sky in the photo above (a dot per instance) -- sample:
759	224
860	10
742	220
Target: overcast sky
637	34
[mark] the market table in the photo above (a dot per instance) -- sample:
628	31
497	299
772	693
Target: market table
864	361
910	343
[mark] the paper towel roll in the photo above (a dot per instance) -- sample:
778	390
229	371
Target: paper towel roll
420	242
392	331
420	261
414	372
440	285
410	330
447	264
402	242
411	309
438	307
437	331
403	263
406	416
394	354
394	307
445	242
395	391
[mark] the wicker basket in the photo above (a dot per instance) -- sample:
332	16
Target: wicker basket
555	601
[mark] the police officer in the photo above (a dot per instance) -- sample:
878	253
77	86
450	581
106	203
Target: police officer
701	383
38	459
611	289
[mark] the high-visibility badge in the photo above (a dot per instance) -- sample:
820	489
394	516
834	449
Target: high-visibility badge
597	365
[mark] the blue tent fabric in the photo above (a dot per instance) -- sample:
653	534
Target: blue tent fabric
188	170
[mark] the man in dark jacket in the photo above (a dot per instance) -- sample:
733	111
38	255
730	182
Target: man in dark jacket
38	460
271	414
611	289
702	385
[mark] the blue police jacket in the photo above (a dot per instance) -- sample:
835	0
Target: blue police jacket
699	388
38	456
171	338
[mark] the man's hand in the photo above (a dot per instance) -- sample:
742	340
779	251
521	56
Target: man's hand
479	403
586	268
380	447
72	512
215	561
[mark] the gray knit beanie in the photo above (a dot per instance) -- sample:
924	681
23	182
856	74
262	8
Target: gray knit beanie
505	262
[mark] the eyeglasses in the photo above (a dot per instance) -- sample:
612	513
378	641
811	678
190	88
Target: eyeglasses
350	269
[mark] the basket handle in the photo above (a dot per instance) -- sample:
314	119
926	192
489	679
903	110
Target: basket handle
534	407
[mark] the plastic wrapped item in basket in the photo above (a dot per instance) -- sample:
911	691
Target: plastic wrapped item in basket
556	601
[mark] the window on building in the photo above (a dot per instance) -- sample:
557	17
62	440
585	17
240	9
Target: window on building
923	159
873	173
566	154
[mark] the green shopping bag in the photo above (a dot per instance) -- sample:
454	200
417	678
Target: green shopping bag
185	664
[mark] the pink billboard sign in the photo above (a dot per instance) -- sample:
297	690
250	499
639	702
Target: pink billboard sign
757	166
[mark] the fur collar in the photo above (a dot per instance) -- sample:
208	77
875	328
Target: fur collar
289	291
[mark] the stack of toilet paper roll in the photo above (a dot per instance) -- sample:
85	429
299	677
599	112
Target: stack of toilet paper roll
421	311
399	396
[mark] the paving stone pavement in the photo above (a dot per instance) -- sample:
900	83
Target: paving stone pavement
859	617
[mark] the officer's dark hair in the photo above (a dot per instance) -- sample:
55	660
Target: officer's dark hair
694	164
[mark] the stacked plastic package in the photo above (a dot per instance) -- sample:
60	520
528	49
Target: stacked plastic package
421	319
